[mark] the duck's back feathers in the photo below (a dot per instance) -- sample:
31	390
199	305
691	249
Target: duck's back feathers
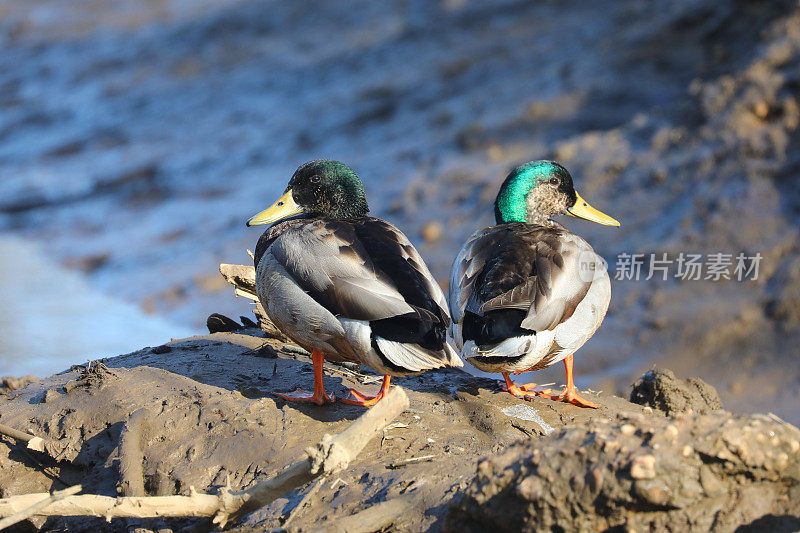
512	280
362	269
366	270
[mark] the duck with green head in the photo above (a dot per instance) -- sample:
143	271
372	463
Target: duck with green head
527	293
345	286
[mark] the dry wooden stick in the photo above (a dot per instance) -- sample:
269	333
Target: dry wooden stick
32	442
37	507
330	455
243	278
411	461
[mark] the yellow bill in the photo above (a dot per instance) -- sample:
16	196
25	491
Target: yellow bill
582	209
285	207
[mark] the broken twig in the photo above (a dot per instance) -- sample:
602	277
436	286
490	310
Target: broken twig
32	442
58	450
411	461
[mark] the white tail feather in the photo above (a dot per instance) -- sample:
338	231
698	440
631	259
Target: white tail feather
414	357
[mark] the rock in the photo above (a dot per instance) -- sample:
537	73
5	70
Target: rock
217	323
12	383
740	471
162	349
661	390
643	467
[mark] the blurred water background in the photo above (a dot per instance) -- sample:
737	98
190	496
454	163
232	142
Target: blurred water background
136	137
52	318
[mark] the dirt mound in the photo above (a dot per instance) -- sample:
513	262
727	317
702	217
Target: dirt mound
712	472
661	390
213	417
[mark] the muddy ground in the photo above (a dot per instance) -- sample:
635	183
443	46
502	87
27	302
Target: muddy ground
214	417
136	138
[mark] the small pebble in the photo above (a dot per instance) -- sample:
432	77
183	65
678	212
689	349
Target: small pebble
50	395
432	231
643	467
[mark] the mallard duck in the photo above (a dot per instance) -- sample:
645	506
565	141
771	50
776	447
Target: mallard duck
527	293
345	286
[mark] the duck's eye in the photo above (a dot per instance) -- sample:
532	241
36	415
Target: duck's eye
315	179
553	181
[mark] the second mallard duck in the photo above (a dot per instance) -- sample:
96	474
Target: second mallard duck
345	286
527	293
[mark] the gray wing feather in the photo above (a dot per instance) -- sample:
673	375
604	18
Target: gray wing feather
334	269
411	255
561	285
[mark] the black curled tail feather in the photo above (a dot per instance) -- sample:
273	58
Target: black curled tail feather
411	329
493	327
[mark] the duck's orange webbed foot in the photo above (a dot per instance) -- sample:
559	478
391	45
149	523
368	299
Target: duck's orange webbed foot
570	395
368	401
526	392
319	396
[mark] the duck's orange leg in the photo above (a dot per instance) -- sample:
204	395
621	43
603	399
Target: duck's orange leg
367	401
318	397
570	393
520	391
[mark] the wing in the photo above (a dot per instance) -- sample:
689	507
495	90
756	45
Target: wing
337	266
534	269
394	255
468	264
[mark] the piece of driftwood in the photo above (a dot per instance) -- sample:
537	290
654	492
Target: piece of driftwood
332	454
243	278
56	449
35	509
32	442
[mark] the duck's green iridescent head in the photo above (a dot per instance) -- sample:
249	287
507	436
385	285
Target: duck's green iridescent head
323	187
539	190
